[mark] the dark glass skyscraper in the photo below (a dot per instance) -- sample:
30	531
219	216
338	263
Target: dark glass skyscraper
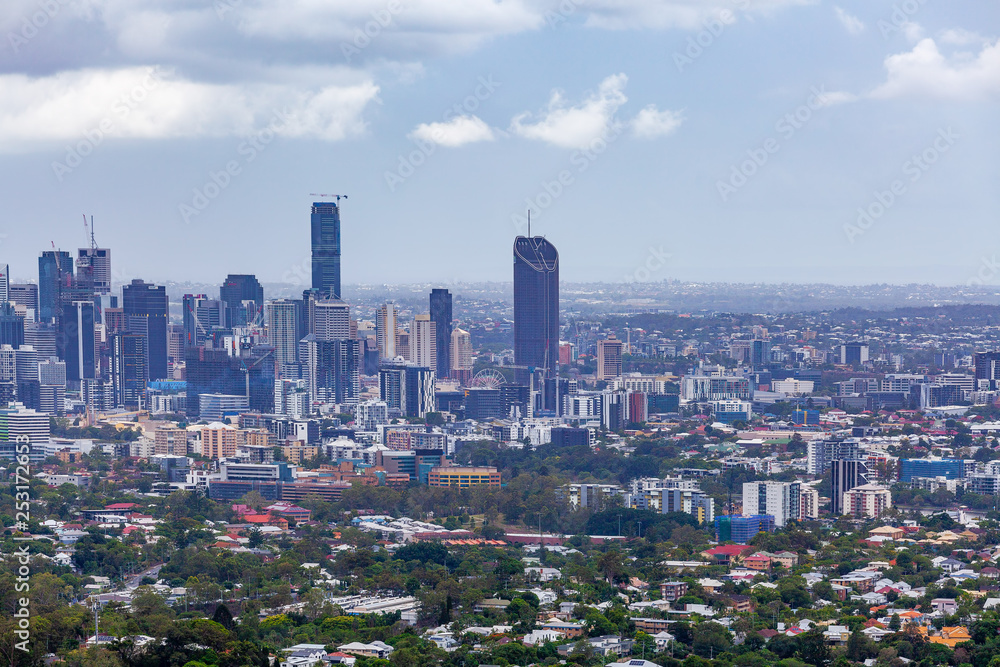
11	326
145	299
128	370
235	293
536	304
54	268
326	248
441	317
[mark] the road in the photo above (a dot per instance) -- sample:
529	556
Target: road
152	572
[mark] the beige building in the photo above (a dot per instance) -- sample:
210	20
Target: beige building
170	441
423	342
609	358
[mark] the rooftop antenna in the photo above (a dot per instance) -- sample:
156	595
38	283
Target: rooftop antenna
529	223
337	197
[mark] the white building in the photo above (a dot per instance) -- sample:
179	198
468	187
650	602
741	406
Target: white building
779	499
793	387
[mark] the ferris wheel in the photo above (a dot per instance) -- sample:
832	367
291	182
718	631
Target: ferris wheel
489	378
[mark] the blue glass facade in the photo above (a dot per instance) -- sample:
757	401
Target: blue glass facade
325	238
741	529
948	468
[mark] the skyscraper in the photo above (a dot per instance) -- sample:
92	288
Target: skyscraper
54	268
330	319
243	299
332	368
75	340
386	328
128	370
407	388
11	326
283	330
25	295
325	223
145	299
93	269
201	315
609	358
423	341
845	474
4	283
441	317
536	304
461	355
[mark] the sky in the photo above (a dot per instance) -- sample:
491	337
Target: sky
702	140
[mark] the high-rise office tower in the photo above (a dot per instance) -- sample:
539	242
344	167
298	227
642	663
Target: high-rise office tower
442	317
93	269
75	340
330	319
386	328
128	370
175	345
11	325
283	330
407	388
609	358
423	341
4	283
55	267
332	368
215	371
25	294
536	304
200	317
243	298
325	223
142	298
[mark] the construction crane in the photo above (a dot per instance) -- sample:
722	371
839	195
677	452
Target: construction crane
89	234
337	197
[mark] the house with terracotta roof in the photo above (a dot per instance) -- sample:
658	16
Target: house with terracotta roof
727	554
951	636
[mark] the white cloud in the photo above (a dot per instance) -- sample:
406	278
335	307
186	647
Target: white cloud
455	132
926	72
913	31
141	102
851	23
960	37
835	97
576	126
683	14
651	123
